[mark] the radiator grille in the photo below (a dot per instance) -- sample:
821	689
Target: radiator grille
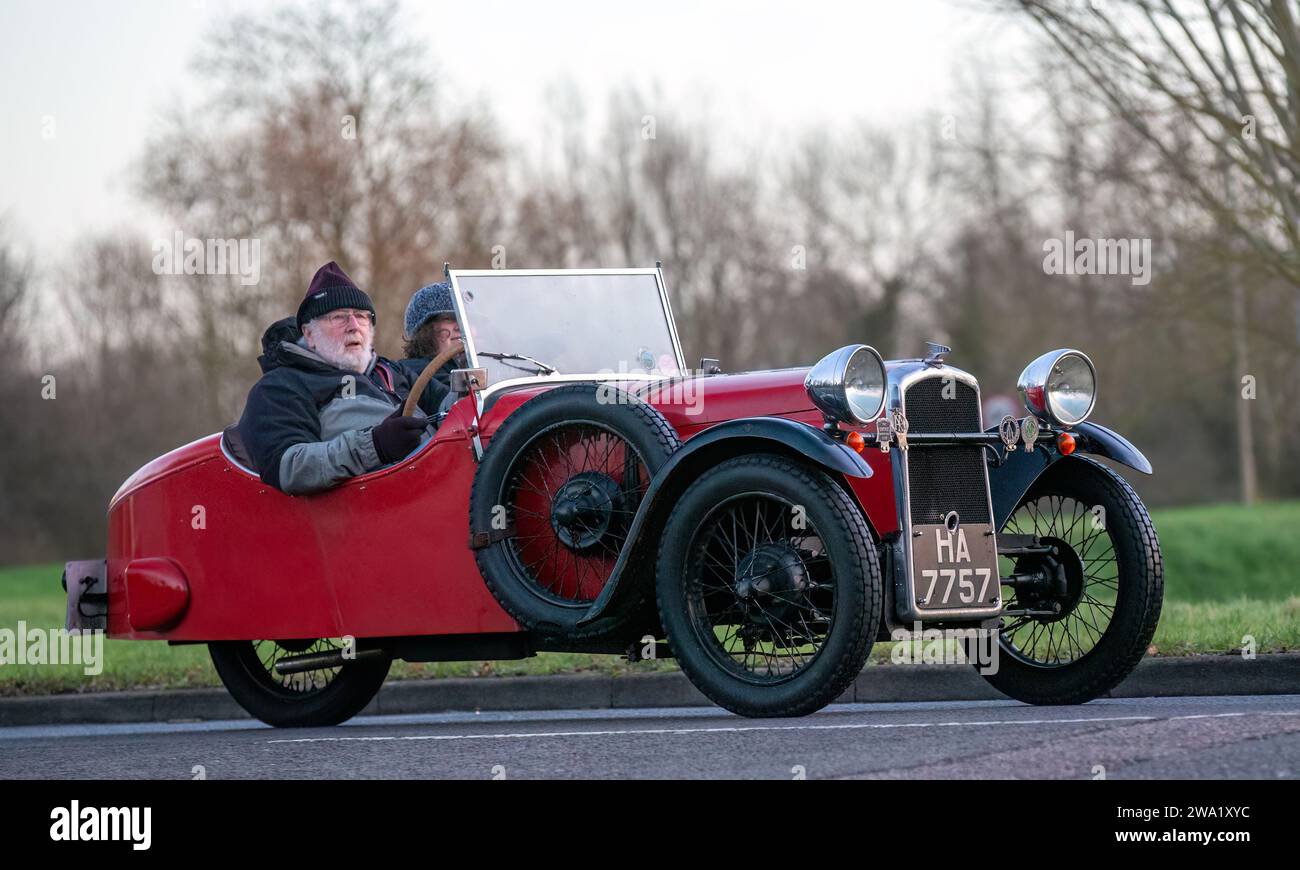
942	479
941	405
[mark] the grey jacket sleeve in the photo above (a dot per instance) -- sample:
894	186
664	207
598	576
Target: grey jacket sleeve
317	465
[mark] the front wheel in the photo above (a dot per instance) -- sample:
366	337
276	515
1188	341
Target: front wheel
323	696
768	586
1075	638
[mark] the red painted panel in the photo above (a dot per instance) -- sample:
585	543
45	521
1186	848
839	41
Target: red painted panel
698	401
383	554
875	494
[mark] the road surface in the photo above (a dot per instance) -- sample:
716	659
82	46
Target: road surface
1209	737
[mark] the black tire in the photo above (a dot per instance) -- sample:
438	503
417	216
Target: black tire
1042	661
313	698
546	573
834	561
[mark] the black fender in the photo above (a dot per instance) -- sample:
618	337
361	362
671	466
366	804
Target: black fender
1010	480
1100	441
811	441
753	433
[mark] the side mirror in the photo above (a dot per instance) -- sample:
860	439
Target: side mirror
710	366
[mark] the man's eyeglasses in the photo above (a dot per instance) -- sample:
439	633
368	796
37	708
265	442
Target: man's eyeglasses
340	318
446	332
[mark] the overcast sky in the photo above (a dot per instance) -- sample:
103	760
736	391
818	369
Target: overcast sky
84	79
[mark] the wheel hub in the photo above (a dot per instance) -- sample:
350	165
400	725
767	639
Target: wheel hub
587	509
1061	587
770	579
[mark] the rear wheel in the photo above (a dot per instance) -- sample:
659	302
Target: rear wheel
322	696
768	585
1075	638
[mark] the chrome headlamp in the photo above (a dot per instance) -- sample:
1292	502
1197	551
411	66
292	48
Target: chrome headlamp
1061	386
848	384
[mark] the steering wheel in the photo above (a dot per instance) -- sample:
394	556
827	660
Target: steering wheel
423	380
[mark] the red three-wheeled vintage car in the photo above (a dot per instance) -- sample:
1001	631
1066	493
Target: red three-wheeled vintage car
586	491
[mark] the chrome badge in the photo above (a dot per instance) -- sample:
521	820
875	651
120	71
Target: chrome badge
1009	432
900	428
884	432
1029	431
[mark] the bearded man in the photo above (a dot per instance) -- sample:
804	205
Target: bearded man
327	408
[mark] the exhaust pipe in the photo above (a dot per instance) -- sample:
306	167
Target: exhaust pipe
317	661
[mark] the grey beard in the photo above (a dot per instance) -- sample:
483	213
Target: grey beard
352	361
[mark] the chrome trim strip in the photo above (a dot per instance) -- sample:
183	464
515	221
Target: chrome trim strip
672	320
479	273
221	442
471	355
545	380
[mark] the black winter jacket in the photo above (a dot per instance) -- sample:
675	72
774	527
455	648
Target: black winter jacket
307	424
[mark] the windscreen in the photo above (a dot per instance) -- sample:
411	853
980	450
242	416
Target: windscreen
572	323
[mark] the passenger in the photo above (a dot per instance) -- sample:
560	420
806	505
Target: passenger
327	408
431	327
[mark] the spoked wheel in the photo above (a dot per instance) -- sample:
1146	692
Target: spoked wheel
320	696
761	588
572	493
1082	625
557	491
1075	602
768	585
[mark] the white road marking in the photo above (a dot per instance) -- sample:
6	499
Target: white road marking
733	729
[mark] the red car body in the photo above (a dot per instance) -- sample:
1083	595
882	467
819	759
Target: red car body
200	549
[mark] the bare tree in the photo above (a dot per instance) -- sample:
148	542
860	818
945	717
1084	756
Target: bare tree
1224	75
15	293
1227	70
328	137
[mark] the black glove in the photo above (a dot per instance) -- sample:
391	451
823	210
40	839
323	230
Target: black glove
397	436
